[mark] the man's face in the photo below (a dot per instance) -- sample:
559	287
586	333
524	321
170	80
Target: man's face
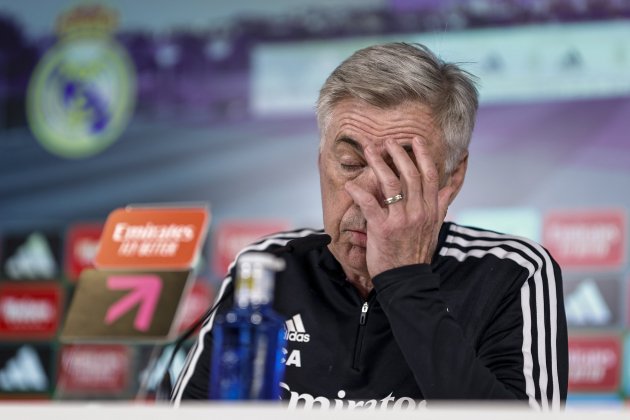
353	126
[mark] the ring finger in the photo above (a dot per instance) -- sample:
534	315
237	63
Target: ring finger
409	175
391	185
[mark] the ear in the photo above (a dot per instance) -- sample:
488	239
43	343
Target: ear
456	179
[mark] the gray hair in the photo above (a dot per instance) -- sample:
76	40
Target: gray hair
389	74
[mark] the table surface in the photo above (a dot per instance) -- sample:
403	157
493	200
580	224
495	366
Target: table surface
258	411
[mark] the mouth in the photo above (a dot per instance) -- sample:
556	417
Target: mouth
357	237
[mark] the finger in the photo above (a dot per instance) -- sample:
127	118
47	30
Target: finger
389	182
429	175
369	205
410	177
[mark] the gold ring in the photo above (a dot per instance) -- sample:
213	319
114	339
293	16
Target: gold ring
394	199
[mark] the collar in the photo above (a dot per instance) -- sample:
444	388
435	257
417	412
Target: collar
331	266
446	226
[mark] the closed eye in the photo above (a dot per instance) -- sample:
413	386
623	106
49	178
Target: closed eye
351	166
350	154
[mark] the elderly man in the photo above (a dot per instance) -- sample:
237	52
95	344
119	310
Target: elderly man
394	306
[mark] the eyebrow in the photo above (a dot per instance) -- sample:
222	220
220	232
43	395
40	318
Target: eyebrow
350	142
357	146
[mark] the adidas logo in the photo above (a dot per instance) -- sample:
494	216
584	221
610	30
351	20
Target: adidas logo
586	306
31	260
295	330
24	372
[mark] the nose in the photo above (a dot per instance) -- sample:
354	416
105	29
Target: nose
368	181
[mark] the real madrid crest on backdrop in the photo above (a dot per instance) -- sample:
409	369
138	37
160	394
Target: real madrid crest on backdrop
82	92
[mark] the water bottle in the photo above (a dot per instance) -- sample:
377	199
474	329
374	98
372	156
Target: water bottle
247	359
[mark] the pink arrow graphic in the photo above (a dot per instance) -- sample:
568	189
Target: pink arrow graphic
146	291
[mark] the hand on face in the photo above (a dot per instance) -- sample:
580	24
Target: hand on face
404	232
368	155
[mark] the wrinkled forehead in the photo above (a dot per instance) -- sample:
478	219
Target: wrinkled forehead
370	125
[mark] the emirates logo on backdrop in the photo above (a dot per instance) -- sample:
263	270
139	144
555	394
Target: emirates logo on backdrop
594	363
94	369
29	311
587	238
232	236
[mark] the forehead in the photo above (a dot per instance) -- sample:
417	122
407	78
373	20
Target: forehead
367	124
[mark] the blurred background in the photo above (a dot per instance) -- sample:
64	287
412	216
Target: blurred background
110	103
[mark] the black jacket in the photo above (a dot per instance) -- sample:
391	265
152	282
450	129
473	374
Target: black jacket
484	321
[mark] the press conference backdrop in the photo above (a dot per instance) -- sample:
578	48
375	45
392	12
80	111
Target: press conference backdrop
108	103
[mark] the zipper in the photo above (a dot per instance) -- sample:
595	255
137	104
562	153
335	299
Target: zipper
360	333
364	310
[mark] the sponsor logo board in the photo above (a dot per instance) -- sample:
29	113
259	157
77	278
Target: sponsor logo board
592	301
232	236
94	369
26	369
119	305
31	310
595	239
31	256
152	238
81	246
594	363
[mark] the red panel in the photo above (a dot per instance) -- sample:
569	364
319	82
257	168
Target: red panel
92	368
30	311
586	238
232	236
594	363
81	246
